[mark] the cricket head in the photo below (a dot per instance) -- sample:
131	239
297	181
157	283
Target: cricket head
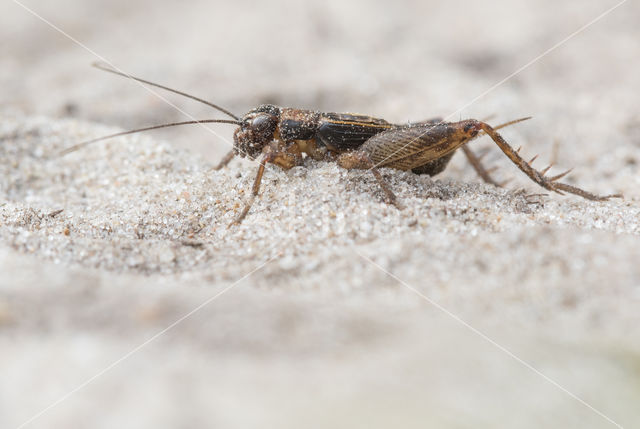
257	129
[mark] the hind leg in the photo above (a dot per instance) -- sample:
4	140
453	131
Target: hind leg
476	163
438	165
550	183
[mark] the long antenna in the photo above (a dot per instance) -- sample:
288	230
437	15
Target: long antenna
123	133
105	67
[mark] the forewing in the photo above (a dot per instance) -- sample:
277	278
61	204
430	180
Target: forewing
412	146
343	131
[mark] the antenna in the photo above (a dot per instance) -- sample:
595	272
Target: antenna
154	127
105	67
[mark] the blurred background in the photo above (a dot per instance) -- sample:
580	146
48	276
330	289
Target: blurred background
352	361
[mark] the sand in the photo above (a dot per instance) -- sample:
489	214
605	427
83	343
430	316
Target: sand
472	306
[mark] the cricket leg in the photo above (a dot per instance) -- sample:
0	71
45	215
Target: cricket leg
254	190
550	183
476	163
284	158
225	160
360	160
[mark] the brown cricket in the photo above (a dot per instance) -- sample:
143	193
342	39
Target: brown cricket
280	136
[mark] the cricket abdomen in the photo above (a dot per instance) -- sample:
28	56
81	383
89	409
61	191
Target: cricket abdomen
434	167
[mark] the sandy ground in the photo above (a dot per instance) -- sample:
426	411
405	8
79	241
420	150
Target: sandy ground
136	306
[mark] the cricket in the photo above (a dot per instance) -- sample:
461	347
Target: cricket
282	136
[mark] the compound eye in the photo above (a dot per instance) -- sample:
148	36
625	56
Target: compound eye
261	122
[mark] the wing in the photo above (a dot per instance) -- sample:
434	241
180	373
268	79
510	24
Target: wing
405	148
341	132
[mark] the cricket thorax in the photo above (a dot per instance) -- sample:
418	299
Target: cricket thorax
298	124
